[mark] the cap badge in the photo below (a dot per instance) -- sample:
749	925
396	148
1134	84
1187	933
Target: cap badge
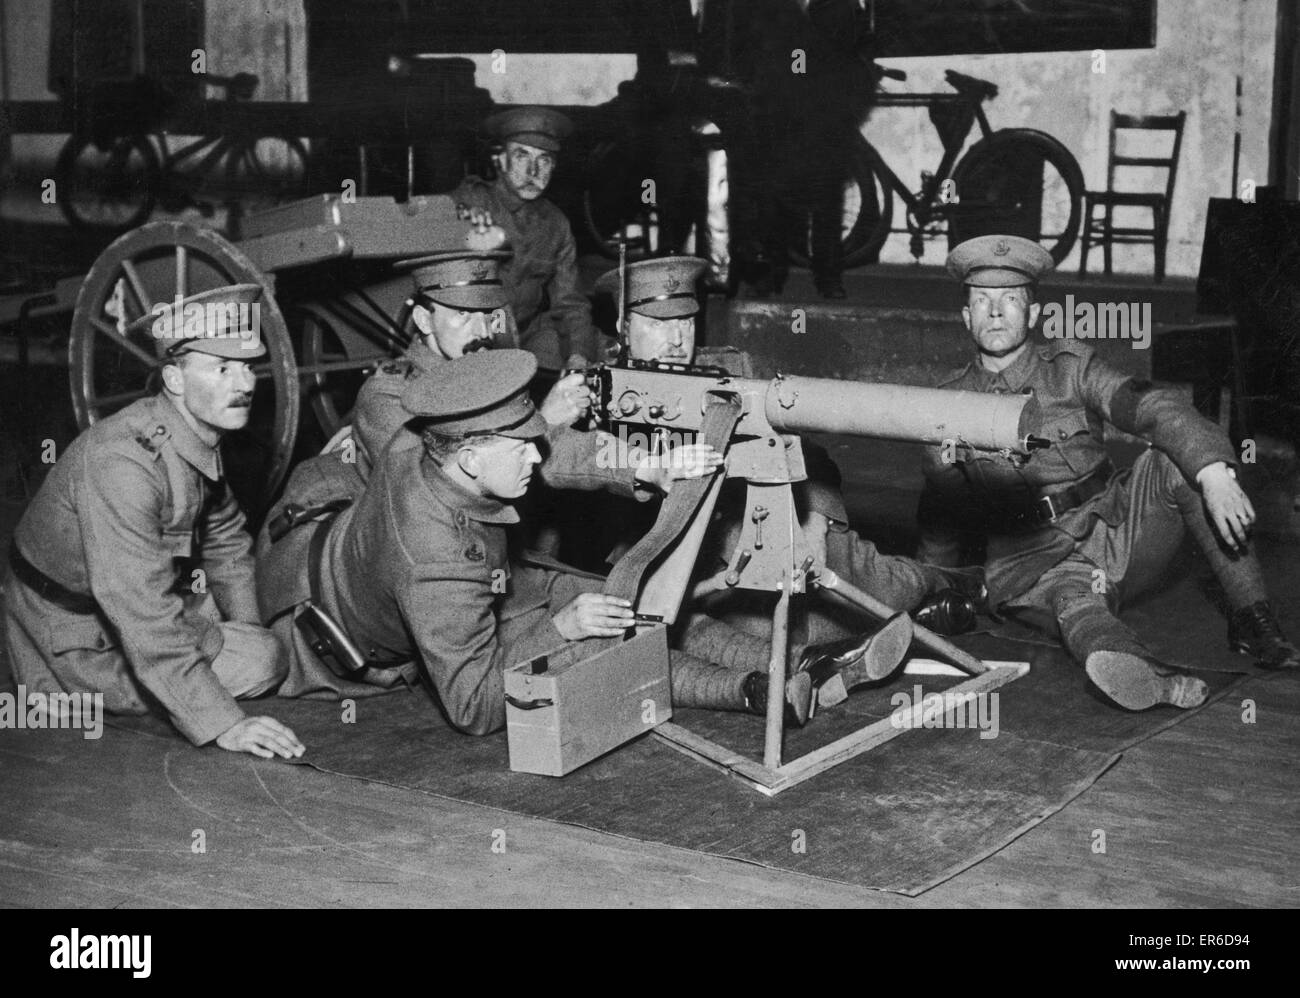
1002	248
672	284
480	271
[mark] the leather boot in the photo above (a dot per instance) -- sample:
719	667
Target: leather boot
947	612
798	696
1254	631
970	582
838	666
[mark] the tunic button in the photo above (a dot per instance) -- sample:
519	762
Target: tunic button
460	518
1062	434
474	553
159	430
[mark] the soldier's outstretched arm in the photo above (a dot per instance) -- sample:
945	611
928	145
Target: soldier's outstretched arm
1156	414
1198	446
592	460
449	609
587	461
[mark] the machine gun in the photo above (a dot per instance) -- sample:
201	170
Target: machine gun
642	403
756	424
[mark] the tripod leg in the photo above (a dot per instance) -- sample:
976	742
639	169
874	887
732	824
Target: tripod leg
776	677
829	582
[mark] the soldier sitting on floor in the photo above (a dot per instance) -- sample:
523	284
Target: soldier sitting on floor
130	572
1068	537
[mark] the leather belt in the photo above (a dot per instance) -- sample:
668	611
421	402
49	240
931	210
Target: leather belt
1049	508
45	587
324	634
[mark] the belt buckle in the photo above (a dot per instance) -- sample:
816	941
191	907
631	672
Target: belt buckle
1050	516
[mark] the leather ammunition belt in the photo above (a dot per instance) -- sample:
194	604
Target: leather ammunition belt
45	587
1048	508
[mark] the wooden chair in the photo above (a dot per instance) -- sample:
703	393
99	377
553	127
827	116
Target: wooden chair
1102	229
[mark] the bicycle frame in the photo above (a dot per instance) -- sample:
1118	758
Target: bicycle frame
920	210
170	161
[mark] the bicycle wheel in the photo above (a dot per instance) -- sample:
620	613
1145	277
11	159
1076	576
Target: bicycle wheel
110	188
1018	182
267	171
868	212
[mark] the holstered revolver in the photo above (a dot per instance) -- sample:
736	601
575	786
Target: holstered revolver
329	641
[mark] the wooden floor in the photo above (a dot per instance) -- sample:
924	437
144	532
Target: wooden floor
1202	815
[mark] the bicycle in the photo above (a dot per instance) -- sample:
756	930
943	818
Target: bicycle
111	175
1014	181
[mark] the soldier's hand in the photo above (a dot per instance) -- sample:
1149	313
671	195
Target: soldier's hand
1229	507
680	463
593	615
567	401
484	236
261	736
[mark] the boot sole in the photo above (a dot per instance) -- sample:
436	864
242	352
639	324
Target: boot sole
881	657
799	698
1134	684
